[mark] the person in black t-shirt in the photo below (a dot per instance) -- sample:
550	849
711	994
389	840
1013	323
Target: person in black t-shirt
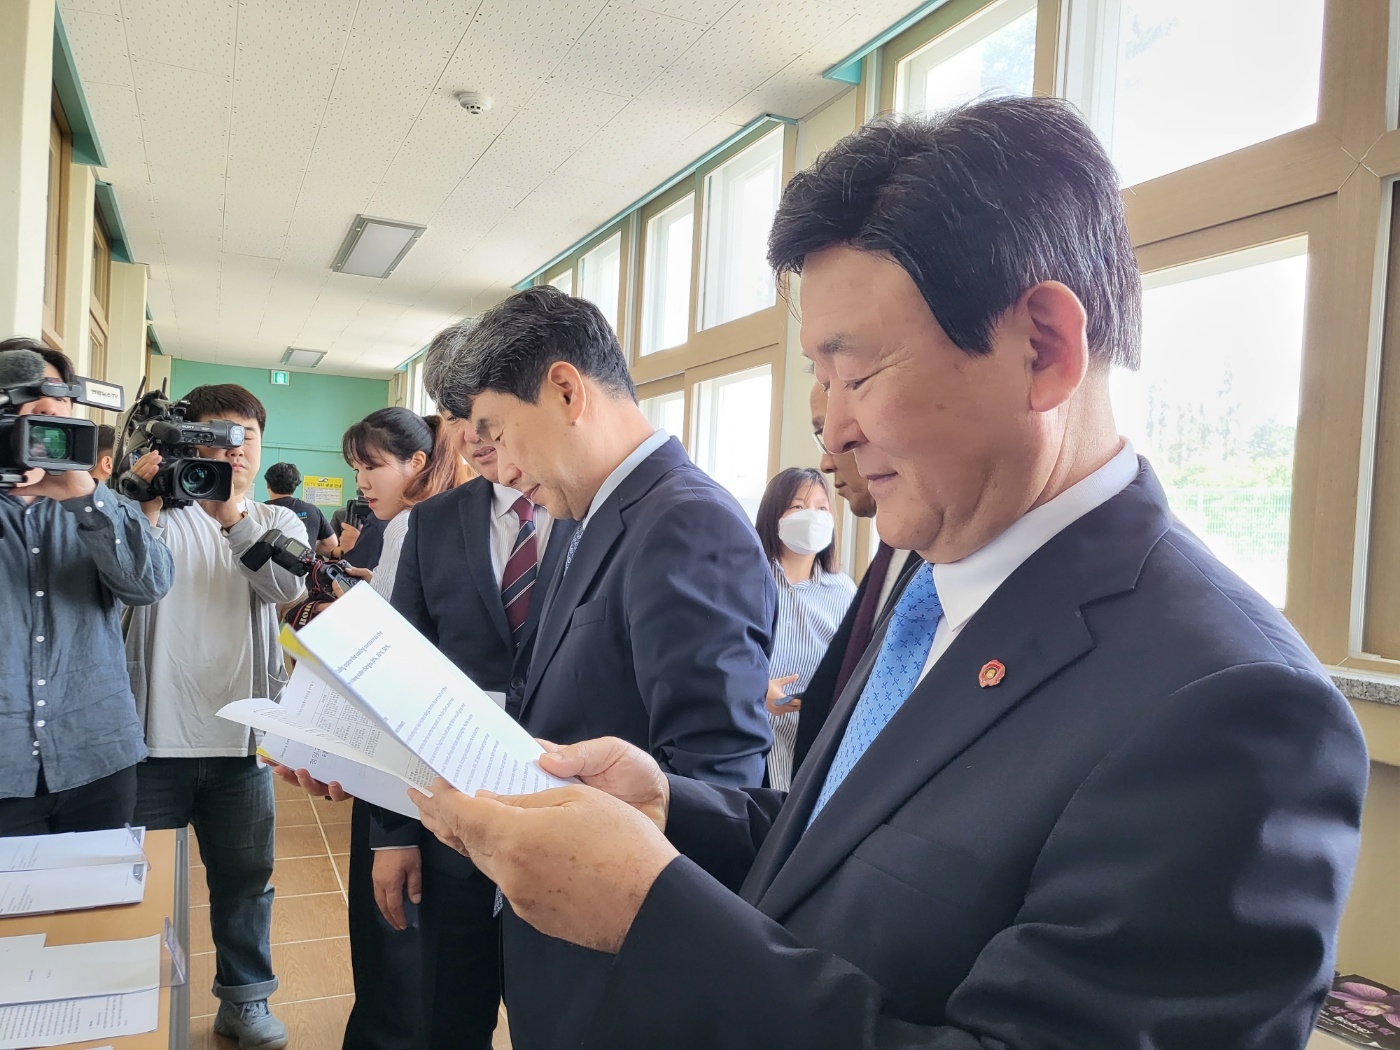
283	479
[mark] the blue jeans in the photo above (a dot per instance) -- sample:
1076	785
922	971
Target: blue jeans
229	802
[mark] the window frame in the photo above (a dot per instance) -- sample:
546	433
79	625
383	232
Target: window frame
56	227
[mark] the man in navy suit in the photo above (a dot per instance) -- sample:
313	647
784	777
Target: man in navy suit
658	625
1085	790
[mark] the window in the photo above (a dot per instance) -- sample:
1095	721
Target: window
60	158
733	432
564	281
992	53
1215	405
100	300
1171	83
666	411
741	198
666	308
599	276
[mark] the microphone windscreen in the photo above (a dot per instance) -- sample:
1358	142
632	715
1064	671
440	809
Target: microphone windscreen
20	368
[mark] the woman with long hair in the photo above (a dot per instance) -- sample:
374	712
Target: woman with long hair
798	532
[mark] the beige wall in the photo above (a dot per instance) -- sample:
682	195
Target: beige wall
26	76
126	317
1370	939
77	275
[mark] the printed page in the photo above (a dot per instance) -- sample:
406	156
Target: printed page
375	656
79	1020
36	852
70	889
79	971
362	781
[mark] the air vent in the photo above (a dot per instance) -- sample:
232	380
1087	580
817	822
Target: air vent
295	358
373	247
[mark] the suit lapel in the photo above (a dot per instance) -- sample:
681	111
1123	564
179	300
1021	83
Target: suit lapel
475	512
1098	556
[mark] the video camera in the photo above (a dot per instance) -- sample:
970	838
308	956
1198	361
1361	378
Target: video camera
322	575
53	443
356	512
154	424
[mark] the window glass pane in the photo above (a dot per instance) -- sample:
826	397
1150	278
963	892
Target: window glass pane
732	432
992	53
564	282
666	306
666	411
741	198
1194	79
1215	406
598	275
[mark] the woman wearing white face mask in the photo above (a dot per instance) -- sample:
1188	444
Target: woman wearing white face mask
797	531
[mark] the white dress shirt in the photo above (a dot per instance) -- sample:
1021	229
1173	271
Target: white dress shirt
898	559
621	472
505	527
964	586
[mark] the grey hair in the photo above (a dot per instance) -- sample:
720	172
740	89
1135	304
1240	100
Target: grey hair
512	346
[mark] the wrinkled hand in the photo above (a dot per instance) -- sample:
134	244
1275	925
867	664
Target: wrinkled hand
398	873
575	862
622	770
304	780
779	703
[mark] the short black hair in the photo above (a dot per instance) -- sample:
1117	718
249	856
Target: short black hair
59	360
282	478
512	346
977	204
106	439
219	400
777	497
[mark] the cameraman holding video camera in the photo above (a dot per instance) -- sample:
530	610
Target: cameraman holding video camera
213	640
72	553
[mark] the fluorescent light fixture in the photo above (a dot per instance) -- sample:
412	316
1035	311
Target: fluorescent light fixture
295	358
373	247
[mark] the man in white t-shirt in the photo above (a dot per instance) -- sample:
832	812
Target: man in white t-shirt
210	641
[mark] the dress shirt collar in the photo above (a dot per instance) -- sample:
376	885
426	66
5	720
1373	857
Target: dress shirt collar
964	586
619	475
503	499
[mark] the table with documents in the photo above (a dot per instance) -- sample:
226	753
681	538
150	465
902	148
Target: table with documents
50	948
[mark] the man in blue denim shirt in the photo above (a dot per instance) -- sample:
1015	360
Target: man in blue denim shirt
71	552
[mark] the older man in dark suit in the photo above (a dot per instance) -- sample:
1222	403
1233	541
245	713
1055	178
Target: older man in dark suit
658	625
1086	790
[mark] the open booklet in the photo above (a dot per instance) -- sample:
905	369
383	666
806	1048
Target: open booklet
374	705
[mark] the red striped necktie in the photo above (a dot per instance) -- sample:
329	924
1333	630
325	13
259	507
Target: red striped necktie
522	567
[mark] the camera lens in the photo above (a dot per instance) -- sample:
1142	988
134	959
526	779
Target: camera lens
199	480
48	442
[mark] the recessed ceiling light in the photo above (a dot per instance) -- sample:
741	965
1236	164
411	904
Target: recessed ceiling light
373	247
302	358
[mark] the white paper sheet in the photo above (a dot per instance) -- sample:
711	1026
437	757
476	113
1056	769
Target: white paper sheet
78	971
79	1020
365	782
71	889
71	849
372	654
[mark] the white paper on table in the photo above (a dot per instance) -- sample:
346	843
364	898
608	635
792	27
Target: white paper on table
78	971
70	889
369	652
364	782
79	1020
71	849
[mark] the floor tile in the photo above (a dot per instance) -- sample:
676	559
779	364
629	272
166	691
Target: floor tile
309	918
294	812
342	867
338	836
201	940
281	789
299	842
331	812
315	1024
295	876
199	887
312	970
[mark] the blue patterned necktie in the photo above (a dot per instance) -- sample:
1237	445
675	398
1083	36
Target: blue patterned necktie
895	674
573	546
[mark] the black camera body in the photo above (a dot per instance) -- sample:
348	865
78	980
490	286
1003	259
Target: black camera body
51	443
357	512
322	574
154	424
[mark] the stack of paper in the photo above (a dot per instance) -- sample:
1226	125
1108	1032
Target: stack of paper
77	992
88	869
374	706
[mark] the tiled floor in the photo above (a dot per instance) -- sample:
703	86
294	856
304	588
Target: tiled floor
310	943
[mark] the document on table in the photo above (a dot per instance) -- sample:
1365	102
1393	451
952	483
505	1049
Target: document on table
79	1020
72	889
72	849
370	654
33	974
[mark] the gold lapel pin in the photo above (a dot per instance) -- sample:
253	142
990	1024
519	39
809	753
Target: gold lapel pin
993	671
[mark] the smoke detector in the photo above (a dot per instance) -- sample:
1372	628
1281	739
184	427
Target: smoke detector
474	102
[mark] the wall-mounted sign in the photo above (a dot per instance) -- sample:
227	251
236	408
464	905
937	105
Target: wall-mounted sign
324	492
279	378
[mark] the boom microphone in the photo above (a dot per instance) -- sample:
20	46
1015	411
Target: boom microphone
20	368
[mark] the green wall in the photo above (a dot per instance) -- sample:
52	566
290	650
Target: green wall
305	419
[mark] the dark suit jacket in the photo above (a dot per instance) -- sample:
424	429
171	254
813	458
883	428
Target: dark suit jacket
446	587
1142	837
659	632
818	697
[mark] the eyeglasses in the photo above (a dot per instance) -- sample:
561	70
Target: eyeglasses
817	437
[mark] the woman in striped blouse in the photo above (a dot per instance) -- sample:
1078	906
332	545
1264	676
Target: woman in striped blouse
797	531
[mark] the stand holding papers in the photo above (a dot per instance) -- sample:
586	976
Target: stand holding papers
376	707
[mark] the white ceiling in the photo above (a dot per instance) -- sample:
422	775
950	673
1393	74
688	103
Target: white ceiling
243	137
